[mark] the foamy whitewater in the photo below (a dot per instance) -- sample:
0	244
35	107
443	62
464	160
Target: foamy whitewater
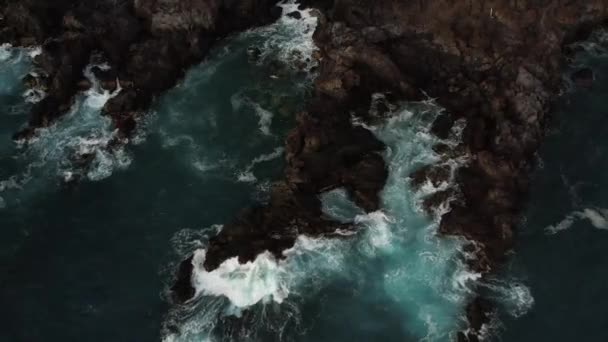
76	146
84	260
422	275
561	248
101	241
83	133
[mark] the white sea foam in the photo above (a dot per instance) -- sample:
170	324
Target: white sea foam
420	271
248	176
243	284
513	295
596	45
463	278
290	39
265	118
15	63
378	230
34	51
337	205
82	133
34	95
204	165
263	280
5	52
597	217
238	101
234	287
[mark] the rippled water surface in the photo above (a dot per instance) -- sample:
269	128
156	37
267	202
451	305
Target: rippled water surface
88	253
91	262
561	253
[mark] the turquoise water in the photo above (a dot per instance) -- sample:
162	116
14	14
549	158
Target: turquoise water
395	279
402	281
14	65
561	254
92	261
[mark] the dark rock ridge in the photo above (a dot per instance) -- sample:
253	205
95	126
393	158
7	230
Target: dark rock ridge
148	43
323	152
494	63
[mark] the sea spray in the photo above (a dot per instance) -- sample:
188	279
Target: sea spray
265	293
422	273
269	103
290	39
77	144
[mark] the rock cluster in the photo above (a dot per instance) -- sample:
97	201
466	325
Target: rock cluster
147	43
494	63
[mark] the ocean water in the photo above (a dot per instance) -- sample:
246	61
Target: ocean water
88	250
561	253
394	279
92	260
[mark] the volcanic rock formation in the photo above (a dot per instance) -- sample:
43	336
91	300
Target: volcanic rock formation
148	44
495	63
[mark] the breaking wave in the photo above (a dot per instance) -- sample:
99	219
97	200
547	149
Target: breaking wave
423	274
290	39
78	144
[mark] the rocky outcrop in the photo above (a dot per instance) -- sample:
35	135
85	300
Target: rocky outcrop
324	151
494	63
148	44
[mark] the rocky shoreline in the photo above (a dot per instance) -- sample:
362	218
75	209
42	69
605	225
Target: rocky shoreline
495	64
499	69
148	44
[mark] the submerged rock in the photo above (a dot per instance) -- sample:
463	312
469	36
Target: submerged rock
497	66
480	64
147	44
583	78
182	289
295	15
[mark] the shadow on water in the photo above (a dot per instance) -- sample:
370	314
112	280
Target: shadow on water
564	261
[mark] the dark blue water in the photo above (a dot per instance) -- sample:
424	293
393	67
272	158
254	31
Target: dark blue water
561	253
92	262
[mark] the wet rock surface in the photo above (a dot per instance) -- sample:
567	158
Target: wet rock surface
494	63
148	45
